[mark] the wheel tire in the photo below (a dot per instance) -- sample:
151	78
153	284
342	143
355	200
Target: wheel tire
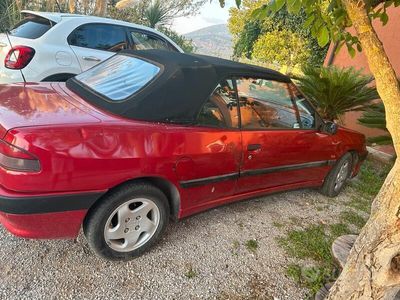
337	176
113	209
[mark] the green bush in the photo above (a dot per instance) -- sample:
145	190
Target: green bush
335	91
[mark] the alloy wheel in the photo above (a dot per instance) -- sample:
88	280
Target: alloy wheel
132	224
342	175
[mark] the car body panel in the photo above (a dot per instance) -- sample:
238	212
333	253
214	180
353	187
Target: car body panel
279	150
59	225
88	58
37	105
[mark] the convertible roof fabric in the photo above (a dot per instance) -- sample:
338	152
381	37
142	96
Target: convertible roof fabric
177	94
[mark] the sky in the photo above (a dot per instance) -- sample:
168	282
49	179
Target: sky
209	14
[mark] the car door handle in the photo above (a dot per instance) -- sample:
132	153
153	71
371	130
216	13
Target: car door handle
91	58
253	147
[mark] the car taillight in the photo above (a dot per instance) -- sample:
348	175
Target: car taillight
15	159
19	57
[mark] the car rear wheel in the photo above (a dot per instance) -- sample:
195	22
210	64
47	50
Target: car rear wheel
127	222
337	177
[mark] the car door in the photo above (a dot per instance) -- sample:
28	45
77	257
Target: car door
210	167
93	43
282	145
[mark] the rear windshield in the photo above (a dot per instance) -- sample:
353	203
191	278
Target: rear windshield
119	77
32	27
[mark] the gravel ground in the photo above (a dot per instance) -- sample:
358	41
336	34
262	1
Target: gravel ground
201	257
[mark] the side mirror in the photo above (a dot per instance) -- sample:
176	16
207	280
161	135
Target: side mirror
329	127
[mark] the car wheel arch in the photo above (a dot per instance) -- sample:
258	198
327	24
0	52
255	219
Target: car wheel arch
168	188
353	152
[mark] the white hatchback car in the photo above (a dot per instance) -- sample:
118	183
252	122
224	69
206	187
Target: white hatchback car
57	46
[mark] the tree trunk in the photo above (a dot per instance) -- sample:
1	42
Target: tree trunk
101	7
72	6
85	6
123	4
373	268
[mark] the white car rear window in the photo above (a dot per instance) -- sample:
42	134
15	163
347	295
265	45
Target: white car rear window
32	27
119	77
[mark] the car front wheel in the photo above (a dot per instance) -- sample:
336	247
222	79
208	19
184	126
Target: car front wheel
337	176
127	222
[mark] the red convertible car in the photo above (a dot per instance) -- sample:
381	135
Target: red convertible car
151	135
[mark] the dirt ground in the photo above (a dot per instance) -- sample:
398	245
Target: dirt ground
226	253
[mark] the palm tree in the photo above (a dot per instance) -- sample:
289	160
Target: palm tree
335	91
157	14
375	117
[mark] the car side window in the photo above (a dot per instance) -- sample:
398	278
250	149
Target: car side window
144	41
220	110
99	36
306	110
266	104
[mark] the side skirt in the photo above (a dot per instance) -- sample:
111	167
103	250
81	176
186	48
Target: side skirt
226	200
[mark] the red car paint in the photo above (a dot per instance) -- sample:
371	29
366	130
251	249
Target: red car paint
85	151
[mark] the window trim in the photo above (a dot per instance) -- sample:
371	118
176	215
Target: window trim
97	23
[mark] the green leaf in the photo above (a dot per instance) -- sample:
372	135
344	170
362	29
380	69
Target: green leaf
260	13
384	18
309	21
340	20
277	5
222	3
294	6
332	5
359	48
238	3
308	3
340	45
351	50
388	3
323	36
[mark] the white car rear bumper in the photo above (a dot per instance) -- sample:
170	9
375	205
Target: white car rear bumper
14	76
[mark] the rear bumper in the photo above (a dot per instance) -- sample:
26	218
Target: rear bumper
15	76
46	216
10	76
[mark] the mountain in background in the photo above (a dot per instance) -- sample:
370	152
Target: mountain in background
214	40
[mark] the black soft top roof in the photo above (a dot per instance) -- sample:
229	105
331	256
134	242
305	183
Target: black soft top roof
179	91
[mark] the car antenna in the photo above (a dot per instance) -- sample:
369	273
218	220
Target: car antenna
13	53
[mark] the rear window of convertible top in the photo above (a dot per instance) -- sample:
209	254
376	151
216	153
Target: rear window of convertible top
119	77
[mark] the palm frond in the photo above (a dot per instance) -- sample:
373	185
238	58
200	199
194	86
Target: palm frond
374	117
157	14
335	91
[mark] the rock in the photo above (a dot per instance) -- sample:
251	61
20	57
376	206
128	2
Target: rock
341	248
324	291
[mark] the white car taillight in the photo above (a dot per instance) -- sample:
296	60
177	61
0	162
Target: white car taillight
19	57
